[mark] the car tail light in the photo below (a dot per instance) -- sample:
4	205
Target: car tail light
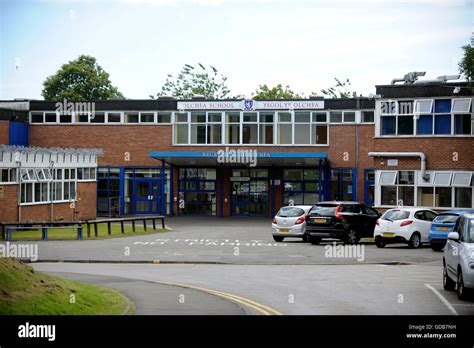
300	220
337	213
274	221
406	223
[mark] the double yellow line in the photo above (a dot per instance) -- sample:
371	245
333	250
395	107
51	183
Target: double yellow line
265	310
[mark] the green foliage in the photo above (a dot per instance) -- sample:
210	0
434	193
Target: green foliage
80	80
278	92
339	90
466	65
191	81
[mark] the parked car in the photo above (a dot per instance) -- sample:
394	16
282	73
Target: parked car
404	225
458	258
290	222
442	225
347	221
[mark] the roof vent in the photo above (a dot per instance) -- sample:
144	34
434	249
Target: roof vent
440	79
409	78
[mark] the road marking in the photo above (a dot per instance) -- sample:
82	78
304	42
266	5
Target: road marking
443	299
235	298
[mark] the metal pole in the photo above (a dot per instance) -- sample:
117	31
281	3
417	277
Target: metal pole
52	192
19	190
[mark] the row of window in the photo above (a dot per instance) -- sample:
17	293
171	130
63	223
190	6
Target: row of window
166	117
426	117
9	175
407	177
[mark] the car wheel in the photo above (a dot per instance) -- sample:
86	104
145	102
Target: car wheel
437	247
278	238
463	293
351	237
415	241
448	283
314	240
305	238
379	243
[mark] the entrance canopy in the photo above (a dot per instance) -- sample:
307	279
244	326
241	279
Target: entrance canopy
241	157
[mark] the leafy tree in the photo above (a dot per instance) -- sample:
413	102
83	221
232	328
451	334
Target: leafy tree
466	65
80	80
200	80
339	90
278	92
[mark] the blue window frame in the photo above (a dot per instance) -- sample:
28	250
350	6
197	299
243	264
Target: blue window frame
343	184
369	186
109	190
197	191
302	186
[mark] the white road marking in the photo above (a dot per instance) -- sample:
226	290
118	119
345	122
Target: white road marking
443	299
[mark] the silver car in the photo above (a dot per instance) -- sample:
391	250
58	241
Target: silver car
290	222
458	258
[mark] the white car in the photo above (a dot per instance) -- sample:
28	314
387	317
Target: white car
290	222
458	258
404	225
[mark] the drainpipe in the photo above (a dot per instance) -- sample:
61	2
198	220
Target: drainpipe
19	189
419	155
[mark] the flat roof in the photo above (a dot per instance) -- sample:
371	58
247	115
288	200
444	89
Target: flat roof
240	157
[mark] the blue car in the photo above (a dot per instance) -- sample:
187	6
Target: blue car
442	225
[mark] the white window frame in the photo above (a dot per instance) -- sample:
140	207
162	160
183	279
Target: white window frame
146	112
454	100
393	182
462	185
448	184
416	112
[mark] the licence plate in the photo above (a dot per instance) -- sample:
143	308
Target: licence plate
388	234
283	230
319	221
442	228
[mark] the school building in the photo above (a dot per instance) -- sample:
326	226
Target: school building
410	144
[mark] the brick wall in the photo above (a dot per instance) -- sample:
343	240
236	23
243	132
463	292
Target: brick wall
85	207
4	132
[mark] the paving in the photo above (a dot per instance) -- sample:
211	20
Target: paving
223	240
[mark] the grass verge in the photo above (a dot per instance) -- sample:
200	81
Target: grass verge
70	233
24	291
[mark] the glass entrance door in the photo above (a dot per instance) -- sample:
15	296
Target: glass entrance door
249	189
147	196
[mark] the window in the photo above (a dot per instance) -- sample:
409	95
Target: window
131	117
181	128
424	125
284	128
114	117
442	178
461	105
67	118
426	196
301	186
232	128
443	196
462	124
335	117
341	185
37	117
389	195
147	117
8	175
266	127
81	117
462	179
303	128
388	125
319	116
163	117
97	117
50	117
250	128
85	174
349	116
198	128
423	106
463	197
387	178
197	190
367	116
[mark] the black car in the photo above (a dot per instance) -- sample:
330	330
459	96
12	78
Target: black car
347	221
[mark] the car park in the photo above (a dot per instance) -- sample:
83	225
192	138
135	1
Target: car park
404	225
347	221
442	225
290	221
458	258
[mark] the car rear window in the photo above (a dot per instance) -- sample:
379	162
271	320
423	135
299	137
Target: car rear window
323	210
396	215
446	218
290	212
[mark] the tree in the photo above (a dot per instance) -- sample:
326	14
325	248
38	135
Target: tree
278	92
466	65
191	81
339	90
80	80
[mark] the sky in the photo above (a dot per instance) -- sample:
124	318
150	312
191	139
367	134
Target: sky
301	43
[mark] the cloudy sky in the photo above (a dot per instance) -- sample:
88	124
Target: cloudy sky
304	44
